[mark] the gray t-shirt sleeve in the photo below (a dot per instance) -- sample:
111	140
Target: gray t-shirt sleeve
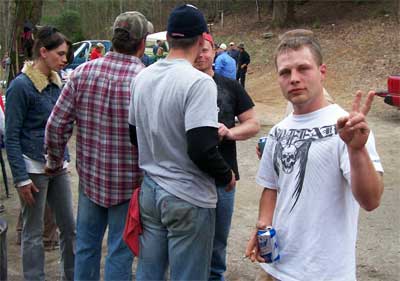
201	105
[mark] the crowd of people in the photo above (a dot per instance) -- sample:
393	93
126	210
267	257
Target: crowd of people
158	143
232	61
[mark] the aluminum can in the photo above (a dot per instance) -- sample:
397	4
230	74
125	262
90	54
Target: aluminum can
268	245
261	144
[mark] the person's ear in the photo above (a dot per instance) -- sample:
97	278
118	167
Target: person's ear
43	52
322	70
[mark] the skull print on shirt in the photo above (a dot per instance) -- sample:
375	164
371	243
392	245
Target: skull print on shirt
292	146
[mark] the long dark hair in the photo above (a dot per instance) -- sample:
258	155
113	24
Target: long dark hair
50	38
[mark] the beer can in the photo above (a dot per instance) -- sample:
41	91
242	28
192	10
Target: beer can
261	144
268	245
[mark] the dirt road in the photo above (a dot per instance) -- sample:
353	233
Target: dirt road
378	248
359	56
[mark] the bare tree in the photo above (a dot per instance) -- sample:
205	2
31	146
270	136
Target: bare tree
283	12
20	11
279	13
258	10
4	24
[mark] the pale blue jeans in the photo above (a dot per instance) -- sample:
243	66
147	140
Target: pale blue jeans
56	190
224	213
176	233
92	223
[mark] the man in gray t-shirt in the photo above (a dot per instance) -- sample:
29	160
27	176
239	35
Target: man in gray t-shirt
173	121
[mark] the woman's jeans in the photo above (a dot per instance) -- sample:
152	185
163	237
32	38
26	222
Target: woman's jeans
92	223
56	190
175	233
224	212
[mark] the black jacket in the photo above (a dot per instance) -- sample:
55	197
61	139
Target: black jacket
244	58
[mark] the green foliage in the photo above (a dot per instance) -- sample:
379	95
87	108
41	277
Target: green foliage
316	23
48	20
68	22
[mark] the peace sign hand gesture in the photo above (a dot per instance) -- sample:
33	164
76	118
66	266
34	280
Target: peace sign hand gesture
353	129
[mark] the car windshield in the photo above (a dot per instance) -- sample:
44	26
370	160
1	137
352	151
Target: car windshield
76	46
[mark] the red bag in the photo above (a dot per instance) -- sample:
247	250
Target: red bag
2	104
133	227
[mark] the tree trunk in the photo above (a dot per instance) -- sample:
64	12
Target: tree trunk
258	11
4	25
283	12
270	6
160	12
280	13
21	11
291	11
36	12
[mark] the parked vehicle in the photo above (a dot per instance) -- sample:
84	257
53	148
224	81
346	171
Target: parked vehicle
392	94
82	51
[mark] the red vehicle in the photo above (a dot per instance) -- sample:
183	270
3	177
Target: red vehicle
392	95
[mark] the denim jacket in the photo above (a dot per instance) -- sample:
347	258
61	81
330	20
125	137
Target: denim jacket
29	102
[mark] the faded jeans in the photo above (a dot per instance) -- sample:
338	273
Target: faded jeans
56	190
92	223
175	233
224	212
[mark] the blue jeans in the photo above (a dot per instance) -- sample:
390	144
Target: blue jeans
92	222
223	221
56	190
175	233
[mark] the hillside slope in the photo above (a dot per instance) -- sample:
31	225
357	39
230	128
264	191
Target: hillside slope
361	47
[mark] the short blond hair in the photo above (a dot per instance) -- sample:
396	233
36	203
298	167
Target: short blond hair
297	39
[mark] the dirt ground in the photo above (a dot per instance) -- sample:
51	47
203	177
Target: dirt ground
359	55
378	247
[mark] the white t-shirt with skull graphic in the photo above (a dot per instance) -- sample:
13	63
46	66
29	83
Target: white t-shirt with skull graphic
316	214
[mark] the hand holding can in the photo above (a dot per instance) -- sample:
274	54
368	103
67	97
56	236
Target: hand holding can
268	244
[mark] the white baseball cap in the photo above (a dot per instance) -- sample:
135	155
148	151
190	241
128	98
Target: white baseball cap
222	46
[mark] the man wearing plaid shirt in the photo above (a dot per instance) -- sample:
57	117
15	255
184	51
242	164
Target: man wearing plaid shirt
97	98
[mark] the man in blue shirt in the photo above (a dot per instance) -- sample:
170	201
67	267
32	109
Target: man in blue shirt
156	46
146	60
225	65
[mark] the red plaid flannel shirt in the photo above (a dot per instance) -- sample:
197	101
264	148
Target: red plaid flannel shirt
97	98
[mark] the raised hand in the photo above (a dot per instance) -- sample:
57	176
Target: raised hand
353	129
